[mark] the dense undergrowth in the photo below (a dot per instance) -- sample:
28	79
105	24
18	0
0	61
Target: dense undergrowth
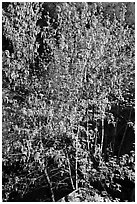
68	102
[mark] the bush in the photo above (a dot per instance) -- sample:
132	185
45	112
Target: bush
64	82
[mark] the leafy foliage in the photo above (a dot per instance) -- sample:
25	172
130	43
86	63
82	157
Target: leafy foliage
64	87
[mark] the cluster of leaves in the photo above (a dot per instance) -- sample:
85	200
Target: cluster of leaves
59	87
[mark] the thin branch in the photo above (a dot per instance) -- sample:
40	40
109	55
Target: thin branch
50	185
124	135
76	165
70	174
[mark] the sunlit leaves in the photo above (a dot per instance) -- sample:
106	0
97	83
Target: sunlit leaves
76	78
